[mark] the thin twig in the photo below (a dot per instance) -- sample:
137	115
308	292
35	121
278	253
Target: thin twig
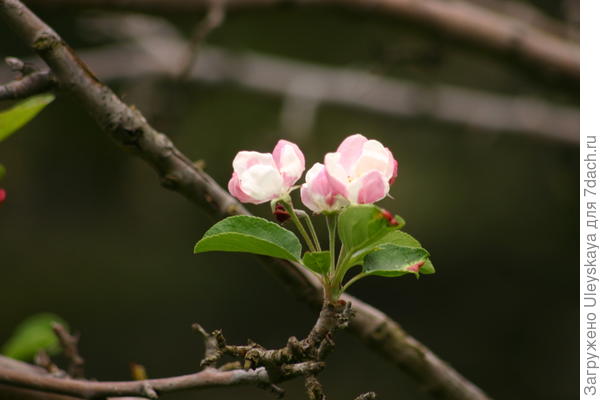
215	15
314	389
367	396
30	82
212	348
42	359
149	388
69	344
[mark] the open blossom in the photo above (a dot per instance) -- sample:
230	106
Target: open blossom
261	177
317	193
361	170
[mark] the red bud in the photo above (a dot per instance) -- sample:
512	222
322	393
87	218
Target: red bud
2	195
281	214
388	215
415	267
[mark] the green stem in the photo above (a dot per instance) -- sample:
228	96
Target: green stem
341	268
331	227
311	228
289	207
351	281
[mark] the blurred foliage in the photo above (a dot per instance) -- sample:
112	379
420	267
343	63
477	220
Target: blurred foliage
21	113
31	336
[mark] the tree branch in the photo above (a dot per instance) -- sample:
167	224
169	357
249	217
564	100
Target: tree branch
30	82
460	18
129	128
69	344
264	369
150	388
213	19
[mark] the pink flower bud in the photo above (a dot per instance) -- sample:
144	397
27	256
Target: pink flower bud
260	177
317	193
361	170
2	195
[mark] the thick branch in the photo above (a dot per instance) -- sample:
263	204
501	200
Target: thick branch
460	18
129	128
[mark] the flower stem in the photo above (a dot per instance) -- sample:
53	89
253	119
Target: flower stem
289	207
311	228
351	281
331	227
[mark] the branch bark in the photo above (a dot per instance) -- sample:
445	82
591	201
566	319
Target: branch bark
459	18
150	388
266	367
128	127
30	81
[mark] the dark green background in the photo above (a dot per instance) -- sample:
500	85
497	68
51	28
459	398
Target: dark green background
87	232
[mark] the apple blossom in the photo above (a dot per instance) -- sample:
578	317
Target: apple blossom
317	193
261	177
361	170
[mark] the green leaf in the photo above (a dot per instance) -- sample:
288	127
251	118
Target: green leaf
32	335
401	222
250	235
362	225
318	261
404	239
427	268
391	260
23	112
400	238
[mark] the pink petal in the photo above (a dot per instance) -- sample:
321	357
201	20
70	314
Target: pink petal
338	178
320	183
246	159
317	193
373	187
394	170
307	198
351	149
236	191
289	160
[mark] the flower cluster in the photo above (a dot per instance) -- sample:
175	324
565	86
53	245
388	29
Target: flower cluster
343	189
360	171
